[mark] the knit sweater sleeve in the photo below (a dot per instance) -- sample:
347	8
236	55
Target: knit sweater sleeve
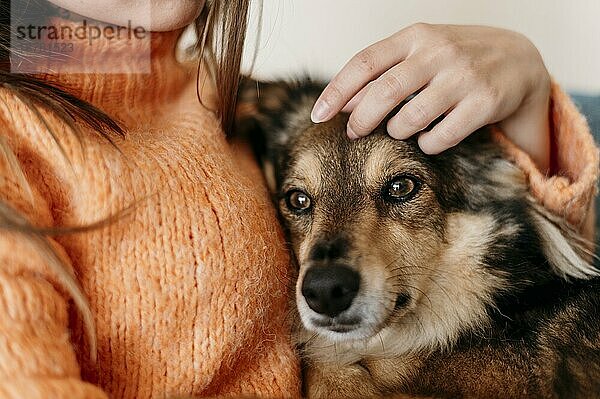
569	190
37	359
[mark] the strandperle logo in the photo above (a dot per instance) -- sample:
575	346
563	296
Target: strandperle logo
81	31
47	39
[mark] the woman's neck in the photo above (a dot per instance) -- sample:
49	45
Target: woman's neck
129	76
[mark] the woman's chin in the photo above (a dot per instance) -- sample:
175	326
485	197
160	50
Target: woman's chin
152	15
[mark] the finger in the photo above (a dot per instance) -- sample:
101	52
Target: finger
349	107
389	90
458	124
365	66
418	113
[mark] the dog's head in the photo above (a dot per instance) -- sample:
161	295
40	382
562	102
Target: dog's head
384	235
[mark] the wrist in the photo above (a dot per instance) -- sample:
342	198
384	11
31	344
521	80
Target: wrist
529	126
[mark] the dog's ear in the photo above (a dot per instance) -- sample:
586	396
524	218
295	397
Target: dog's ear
260	112
269	114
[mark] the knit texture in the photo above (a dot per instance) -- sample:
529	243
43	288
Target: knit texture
189	291
570	189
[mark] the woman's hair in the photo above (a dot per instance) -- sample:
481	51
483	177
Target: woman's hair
221	27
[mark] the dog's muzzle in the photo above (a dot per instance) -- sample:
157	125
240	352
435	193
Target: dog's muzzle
329	290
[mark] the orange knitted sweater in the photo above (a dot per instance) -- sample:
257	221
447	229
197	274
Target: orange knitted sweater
189	291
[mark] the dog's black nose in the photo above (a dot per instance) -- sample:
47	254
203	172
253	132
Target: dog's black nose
330	290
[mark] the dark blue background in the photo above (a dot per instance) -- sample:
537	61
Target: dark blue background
590	107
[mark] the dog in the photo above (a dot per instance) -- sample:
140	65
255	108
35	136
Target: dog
423	276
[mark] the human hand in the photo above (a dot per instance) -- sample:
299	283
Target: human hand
473	75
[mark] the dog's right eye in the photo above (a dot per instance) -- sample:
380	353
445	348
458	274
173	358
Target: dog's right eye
297	201
401	188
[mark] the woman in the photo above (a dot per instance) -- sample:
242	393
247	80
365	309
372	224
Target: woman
184	291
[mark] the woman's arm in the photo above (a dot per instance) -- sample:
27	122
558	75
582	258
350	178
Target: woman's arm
569	188
37	359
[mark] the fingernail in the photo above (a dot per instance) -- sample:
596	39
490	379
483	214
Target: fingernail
319	112
351	134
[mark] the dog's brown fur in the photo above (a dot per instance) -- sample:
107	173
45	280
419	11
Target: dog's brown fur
467	289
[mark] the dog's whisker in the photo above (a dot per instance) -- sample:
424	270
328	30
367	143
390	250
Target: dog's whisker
381	340
423	267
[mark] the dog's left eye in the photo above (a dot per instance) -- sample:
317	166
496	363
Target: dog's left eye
298	201
400	188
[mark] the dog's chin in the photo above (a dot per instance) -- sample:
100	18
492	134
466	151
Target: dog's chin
350	326
346	335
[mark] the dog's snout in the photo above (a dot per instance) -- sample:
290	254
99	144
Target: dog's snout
329	249
330	290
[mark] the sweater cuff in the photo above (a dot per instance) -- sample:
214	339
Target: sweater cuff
49	388
570	188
